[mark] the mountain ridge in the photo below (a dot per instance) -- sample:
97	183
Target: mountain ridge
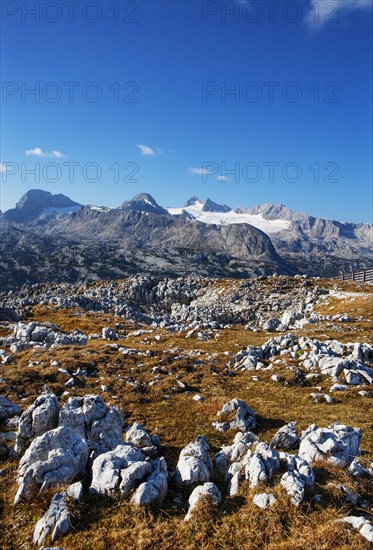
202	238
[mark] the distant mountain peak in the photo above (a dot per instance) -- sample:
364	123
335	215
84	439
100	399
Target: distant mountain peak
211	206
37	203
192	201
143	202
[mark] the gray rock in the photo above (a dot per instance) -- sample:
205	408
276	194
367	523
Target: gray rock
135	473
338	387
138	436
52	459
271	324
261	465
300	466
8	409
361	524
120	468
109	334
154	489
294	486
37	419
57	519
357	470
317	397
208	491
235	452
264	500
243	416
194	464
234	475
332	365
337	444
286	438
90	418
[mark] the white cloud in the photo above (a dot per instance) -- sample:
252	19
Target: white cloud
37	152
200	171
57	154
147	151
223	179
322	12
2	168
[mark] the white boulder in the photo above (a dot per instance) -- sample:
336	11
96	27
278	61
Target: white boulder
154	489
121	468
101	426
57	519
209	491
286	438
242	417
264	500
194	464
337	444
37	419
52	459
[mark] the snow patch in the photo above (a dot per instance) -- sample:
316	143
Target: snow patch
228	218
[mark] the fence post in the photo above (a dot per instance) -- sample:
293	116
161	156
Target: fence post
364	276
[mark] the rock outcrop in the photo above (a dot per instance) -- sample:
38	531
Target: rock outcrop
37	419
54	458
92	420
194	464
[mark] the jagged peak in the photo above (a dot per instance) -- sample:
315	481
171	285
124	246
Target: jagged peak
192	201
211	206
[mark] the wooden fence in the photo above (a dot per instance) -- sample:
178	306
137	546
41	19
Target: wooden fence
365	276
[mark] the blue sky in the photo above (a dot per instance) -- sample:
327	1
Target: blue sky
149	100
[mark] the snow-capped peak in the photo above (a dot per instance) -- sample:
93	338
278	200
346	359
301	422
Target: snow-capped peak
193	201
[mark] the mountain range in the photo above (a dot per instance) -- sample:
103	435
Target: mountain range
50	238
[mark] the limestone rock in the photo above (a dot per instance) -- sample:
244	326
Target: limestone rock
209	491
141	439
357	470
194	464
361	524
57	519
243	417
261	465
294	486
37	419
52	459
120	468
235	452
8	409
286	438
109	334
90	418
337	444
264	500
154	489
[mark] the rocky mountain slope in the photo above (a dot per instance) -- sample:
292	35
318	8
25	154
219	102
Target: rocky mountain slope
51	238
317	245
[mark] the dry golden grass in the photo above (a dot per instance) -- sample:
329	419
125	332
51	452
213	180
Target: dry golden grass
111	522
